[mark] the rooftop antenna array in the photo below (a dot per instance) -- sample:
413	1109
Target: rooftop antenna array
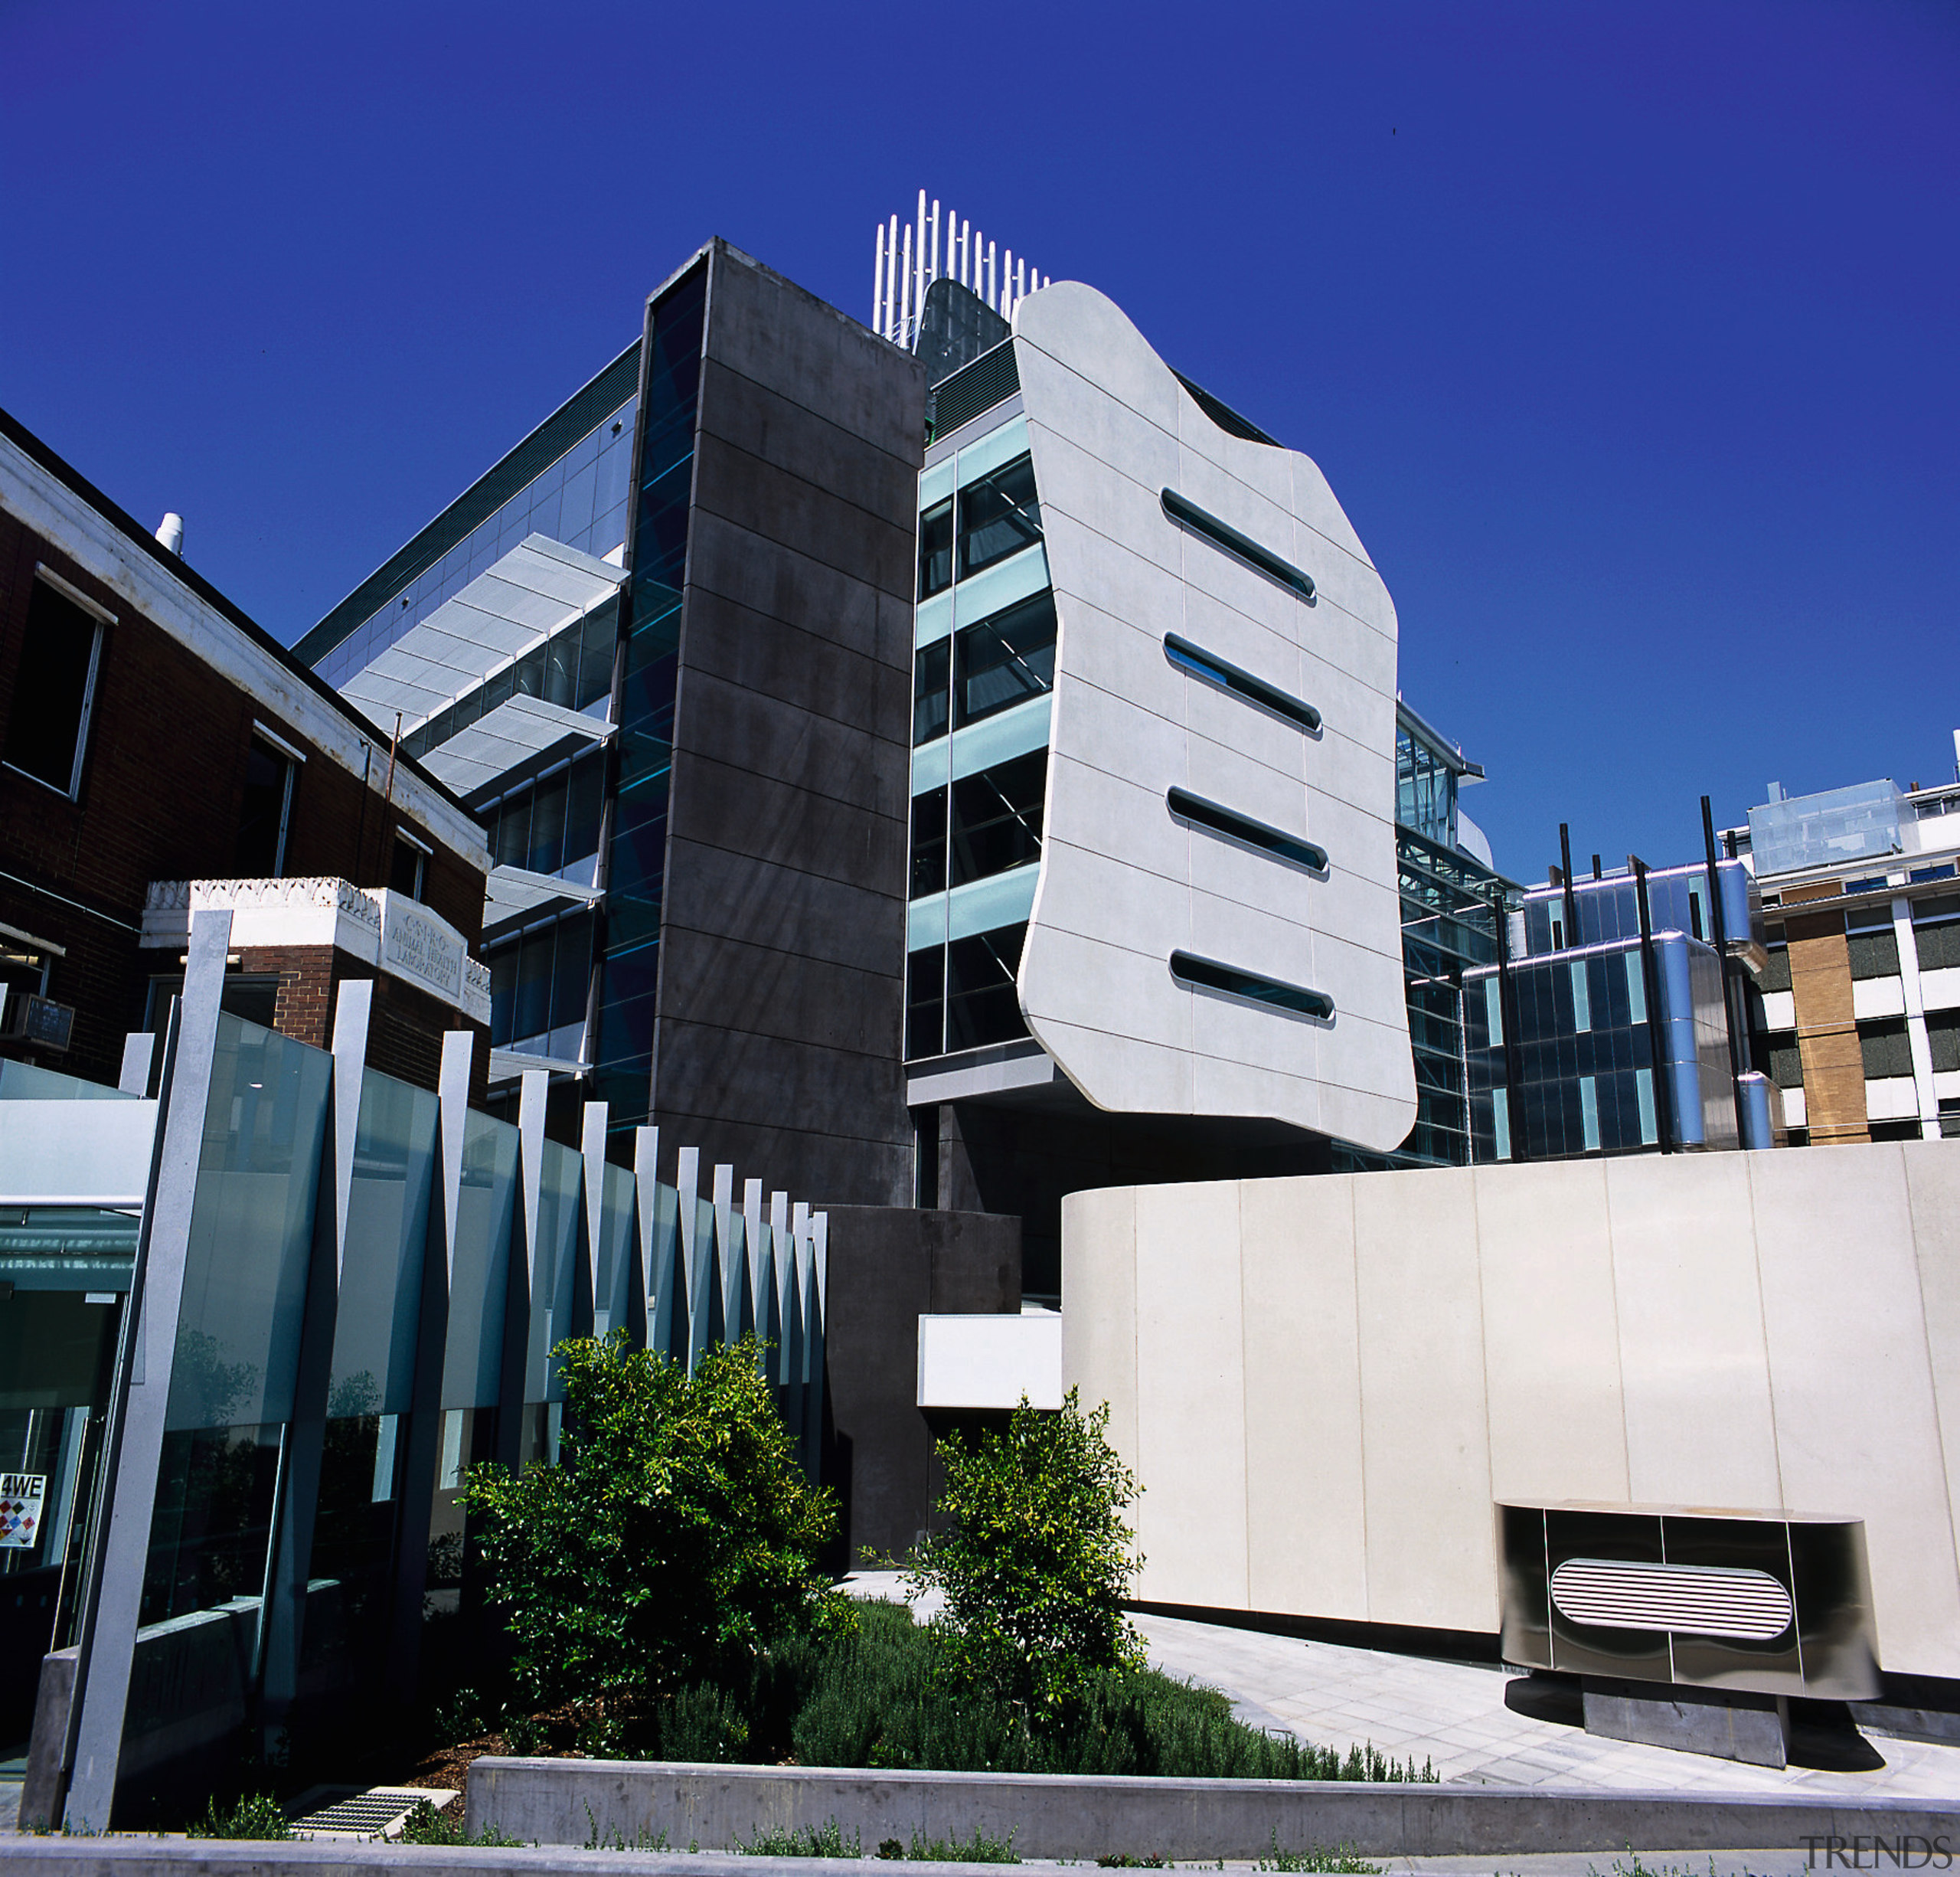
909	260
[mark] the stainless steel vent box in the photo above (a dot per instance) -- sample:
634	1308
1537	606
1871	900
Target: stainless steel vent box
1770	1602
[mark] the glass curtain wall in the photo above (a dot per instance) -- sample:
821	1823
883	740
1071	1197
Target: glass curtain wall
644	748
276	1566
986	632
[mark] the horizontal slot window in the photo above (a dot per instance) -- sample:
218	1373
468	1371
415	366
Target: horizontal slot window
1208	974
1223	534
1215	670
1208	815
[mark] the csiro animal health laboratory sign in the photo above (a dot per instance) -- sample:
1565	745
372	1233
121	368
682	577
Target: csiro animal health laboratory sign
416	946
21	1495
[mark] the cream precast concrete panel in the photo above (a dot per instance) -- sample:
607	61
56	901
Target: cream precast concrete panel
1323	1385
1109	428
1188	1321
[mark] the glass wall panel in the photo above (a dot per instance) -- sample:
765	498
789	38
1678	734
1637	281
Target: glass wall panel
998	516
238	1335
554	1267
612	1290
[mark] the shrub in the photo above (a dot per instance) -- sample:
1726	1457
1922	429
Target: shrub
1038	1563
256	1815
675	1538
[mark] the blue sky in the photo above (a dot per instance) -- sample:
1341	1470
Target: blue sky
1626	334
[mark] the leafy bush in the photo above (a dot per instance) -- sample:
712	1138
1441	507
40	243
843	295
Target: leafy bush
675	1540
1038	1561
256	1815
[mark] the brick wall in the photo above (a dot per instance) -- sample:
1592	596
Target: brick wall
162	786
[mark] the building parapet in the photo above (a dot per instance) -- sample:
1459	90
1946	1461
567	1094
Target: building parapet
388	929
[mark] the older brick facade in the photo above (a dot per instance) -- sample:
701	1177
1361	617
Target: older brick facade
162	790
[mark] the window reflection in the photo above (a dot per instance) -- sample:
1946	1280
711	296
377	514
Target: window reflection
998	516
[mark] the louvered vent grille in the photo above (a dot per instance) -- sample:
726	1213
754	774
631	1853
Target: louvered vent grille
1698	1600
991	377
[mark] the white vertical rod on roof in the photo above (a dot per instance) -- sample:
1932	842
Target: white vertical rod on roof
933	269
989	296
1007	283
1021	281
891	278
904	335
919	262
878	284
966	273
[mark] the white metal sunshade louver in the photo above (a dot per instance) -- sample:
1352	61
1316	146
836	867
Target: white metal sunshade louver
536	589
520	730
1695	1599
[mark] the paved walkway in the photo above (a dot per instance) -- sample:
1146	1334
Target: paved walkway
1452	1714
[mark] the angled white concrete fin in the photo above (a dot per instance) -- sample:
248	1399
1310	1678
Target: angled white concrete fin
452	1093
730	1246
646	1219
592	1151
353	1004
530	1161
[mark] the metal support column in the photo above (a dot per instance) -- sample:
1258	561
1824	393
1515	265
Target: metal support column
133	1441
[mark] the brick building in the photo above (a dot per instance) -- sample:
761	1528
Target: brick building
1861	1000
159	748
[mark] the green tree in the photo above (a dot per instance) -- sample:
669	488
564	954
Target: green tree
674	1539
1037	1561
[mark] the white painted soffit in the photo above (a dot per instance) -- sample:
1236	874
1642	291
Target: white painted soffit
519	730
536	589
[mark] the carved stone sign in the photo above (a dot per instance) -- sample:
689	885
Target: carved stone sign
419	947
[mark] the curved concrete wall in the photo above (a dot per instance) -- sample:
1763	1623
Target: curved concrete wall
1123	883
1325	1384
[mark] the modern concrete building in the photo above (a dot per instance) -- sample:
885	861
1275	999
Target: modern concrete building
662	648
1188	877
1618	1019
1860	999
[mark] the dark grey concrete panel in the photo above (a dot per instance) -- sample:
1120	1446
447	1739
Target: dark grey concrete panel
759	990
786	584
710	889
705	1070
774	430
720	804
770	330
768	1051
821	1166
888	1267
787	743
779	659
783	508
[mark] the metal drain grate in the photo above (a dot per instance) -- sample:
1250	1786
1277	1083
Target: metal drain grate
378	1813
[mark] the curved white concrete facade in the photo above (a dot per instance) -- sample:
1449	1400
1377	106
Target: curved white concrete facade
1124	883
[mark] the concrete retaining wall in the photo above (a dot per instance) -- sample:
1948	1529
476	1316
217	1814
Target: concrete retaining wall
568	1802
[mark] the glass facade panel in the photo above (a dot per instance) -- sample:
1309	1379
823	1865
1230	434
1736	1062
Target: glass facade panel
671	361
1004	661
998	516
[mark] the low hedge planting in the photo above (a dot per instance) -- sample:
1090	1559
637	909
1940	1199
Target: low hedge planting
878	1697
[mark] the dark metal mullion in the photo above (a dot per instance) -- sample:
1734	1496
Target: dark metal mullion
1718	926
